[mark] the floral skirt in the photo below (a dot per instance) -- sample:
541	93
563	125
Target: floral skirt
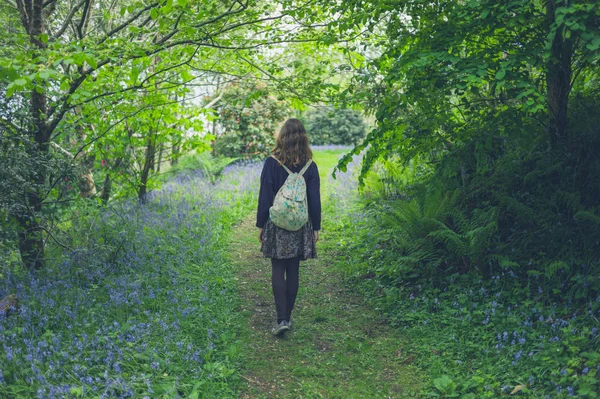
283	244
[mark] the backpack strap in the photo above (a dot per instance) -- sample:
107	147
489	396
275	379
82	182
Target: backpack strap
305	167
289	171
284	167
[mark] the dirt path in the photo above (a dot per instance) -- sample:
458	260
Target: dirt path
338	347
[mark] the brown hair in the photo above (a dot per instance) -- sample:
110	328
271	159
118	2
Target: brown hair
291	147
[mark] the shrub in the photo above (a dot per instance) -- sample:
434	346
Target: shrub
328	125
249	116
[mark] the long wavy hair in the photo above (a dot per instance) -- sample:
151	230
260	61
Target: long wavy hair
291	147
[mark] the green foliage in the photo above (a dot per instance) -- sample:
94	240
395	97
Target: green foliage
105	84
473	72
249	115
338	126
212	166
481	324
145	289
429	234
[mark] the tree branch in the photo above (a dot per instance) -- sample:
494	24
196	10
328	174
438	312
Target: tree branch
10	3
138	86
225	14
214	101
68	19
59	148
127	23
9	125
85	17
112	125
300	97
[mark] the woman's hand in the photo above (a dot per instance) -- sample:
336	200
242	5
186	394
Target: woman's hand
260	234
316	232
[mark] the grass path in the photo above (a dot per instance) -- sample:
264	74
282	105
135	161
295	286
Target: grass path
338	346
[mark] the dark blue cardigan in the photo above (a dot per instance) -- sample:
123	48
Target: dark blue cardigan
272	178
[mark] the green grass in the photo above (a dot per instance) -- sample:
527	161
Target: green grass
339	347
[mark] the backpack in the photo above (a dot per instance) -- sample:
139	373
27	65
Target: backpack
290	210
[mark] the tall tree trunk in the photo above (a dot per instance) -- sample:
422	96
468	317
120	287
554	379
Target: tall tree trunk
161	149
31	242
147	167
87	185
558	78
105	193
175	151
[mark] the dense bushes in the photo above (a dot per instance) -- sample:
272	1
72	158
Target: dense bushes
249	116
328	125
492	272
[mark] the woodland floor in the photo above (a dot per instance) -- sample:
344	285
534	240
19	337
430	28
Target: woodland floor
338	346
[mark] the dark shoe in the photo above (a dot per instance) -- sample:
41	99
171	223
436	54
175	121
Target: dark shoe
280	328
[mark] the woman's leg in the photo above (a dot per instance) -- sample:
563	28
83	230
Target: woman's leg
291	282
278	283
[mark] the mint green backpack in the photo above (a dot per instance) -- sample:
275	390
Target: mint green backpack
290	210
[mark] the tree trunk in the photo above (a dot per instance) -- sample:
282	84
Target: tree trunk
148	165
558	80
105	193
87	186
31	242
161	149
175	152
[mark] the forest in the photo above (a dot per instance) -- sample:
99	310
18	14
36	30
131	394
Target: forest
457	144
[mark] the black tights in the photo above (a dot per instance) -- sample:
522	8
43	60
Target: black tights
285	288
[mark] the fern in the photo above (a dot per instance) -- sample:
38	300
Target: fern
588	217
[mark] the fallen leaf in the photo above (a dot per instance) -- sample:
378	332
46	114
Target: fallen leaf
518	388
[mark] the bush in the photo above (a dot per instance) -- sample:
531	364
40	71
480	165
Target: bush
249	116
488	309
328	125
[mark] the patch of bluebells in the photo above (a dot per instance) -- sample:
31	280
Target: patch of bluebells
149	286
504	328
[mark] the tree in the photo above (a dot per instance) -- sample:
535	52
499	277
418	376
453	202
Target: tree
249	116
88	55
474	72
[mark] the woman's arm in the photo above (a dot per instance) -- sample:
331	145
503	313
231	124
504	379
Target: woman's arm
313	194
265	195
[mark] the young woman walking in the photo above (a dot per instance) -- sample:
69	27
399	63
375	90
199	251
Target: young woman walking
287	248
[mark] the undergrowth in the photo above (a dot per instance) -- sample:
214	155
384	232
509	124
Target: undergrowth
494	279
139	307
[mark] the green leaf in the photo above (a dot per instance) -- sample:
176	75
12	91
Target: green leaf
20	82
92	62
500	74
153	13
10	89
594	45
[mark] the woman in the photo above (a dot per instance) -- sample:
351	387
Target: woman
287	248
